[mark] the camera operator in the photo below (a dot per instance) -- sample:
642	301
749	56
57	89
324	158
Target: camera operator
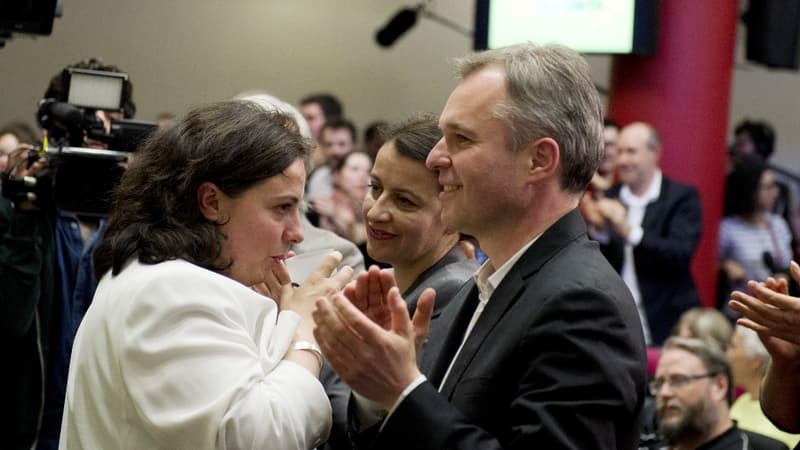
47	279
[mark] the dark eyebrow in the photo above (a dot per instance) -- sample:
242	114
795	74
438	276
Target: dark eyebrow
287	198
399	191
415	197
458	128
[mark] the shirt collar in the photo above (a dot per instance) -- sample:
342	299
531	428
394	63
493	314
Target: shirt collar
487	278
651	194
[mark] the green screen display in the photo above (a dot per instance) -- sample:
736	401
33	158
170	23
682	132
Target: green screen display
588	26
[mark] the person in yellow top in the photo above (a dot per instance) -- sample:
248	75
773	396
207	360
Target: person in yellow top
749	360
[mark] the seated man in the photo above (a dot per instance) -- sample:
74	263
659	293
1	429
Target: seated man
749	360
693	387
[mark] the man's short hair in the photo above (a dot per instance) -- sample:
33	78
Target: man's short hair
761	133
752	345
610	123
60	82
341	124
375	130
712	357
331	106
742	186
653	138
550	94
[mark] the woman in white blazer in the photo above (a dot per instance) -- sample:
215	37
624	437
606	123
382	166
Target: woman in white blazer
178	350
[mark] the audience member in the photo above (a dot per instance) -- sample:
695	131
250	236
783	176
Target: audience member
341	211
706	324
754	243
749	360
337	141
756	139
653	225
318	109
752	138
768	309
604	177
48	282
12	135
694	389
553	356
177	350
374	138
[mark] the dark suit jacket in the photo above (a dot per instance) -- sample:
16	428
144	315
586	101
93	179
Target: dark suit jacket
672	225
556	360
446	277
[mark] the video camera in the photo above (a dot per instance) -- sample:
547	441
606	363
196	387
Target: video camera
77	178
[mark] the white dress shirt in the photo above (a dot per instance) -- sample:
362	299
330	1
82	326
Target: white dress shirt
487	279
636	206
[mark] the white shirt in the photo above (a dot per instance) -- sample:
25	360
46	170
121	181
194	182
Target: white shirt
174	356
487	279
636	206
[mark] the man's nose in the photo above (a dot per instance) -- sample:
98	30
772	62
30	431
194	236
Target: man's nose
437	158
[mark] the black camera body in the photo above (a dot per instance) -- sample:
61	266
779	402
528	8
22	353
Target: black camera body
77	178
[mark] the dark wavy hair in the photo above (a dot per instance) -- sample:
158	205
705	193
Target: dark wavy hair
742	186
155	216
416	137
330	105
762	134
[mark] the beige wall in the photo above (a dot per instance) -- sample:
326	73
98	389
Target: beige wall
181	52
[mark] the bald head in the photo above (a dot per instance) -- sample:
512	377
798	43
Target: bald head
644	131
639	149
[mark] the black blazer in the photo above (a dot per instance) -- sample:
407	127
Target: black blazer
556	361
672	225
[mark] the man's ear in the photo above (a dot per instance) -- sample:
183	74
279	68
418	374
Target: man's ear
210	202
543	158
719	387
758	364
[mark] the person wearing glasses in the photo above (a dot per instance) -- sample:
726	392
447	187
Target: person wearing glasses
693	387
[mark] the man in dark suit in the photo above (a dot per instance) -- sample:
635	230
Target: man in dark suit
652	230
545	348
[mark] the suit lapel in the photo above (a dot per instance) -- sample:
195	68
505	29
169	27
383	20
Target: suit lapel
564	231
505	296
458	321
652	211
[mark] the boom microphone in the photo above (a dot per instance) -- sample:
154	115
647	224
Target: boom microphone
400	23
